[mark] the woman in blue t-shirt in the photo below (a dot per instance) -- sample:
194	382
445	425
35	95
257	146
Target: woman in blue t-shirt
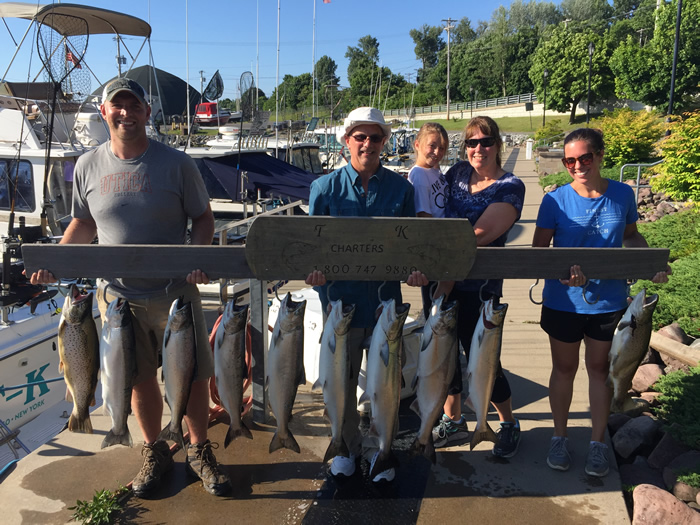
590	212
480	190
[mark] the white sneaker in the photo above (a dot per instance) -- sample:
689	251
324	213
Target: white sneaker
386	475
342	466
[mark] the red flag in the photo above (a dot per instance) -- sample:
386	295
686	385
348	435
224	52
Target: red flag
71	58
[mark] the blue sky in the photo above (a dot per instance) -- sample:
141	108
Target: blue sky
222	35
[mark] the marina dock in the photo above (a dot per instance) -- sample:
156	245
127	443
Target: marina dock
289	488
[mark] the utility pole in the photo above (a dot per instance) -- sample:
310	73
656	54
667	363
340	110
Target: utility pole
448	27
201	85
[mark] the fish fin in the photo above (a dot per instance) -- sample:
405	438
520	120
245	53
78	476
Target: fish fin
364	398
336	448
385	461
482	434
372	430
80	425
331	345
318	386
415	406
166	336
115	439
384	354
173	435
403	381
301	375
233	434
470	403
414	383
60	367
425	340
427	450
219	338
608	381
288	443
69	395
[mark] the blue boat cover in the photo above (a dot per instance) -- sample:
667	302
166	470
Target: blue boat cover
262	173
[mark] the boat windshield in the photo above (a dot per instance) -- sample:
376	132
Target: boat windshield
17	179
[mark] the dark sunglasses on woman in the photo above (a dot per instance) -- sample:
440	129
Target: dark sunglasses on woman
486	142
584	160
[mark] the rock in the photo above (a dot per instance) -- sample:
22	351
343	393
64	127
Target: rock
644	193
673	365
635	474
697	499
694	506
550	188
695	343
655	506
665	207
652	357
675	332
616	421
652	218
645	377
636	435
651	397
668	449
685	492
683	463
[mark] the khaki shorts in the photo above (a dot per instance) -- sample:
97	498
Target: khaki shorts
150	317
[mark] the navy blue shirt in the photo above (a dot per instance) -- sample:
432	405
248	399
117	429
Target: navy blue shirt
341	194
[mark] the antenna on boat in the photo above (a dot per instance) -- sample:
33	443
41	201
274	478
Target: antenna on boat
61	44
246	86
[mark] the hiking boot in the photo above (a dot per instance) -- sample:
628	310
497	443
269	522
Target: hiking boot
508	440
157	460
201	463
385	475
558	457
343	466
449	431
597	460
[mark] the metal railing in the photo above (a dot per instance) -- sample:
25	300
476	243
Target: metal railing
464	106
639	167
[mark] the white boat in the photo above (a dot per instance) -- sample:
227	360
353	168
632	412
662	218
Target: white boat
39	123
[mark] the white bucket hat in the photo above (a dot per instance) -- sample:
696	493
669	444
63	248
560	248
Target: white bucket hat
363	115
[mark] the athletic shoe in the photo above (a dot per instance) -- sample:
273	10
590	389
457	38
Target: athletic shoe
342	466
559	458
508	440
157	460
201	463
450	431
597	460
386	475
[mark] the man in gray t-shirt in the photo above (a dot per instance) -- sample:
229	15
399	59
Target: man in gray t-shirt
132	190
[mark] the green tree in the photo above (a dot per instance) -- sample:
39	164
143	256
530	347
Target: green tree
428	42
565	56
326	72
363	72
533	14
679	174
643	72
586	10
463	32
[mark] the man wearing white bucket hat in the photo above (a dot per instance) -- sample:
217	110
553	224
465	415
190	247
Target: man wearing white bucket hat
362	188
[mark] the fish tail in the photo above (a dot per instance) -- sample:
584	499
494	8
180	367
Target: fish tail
427	450
482	434
289	442
80	423
234	433
337	447
168	433
117	439
385	461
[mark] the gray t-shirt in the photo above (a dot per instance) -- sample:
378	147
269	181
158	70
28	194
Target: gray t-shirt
146	200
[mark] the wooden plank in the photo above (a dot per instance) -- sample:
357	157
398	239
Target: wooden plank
136	260
554	263
665	345
360	248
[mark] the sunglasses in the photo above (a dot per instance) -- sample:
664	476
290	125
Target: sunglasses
485	142
583	160
361	138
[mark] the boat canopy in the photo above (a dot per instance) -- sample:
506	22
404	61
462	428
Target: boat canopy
271	177
99	21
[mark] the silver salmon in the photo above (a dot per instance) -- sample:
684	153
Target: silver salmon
286	369
629	345
436	368
484	356
334	373
78	348
118	365
230	368
384	380
179	367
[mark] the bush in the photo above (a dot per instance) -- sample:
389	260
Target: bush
629	135
550	130
680	403
562	177
679	174
679	298
679	232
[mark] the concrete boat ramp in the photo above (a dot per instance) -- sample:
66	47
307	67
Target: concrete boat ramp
288	488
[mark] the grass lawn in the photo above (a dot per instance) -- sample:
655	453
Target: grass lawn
513	124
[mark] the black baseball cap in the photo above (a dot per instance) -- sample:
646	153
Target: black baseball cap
120	85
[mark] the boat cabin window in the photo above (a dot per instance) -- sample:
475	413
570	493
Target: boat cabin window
17	182
307	159
60	189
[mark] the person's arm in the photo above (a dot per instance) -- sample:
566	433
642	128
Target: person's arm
494	222
631	238
202	234
79	231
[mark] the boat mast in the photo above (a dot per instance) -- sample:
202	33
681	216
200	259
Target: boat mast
257	53
187	66
313	66
277	82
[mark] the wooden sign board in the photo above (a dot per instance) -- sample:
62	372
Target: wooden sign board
360	248
147	261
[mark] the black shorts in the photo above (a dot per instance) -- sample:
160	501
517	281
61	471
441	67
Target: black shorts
570	327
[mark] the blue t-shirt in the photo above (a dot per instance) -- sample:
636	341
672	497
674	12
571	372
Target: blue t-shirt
341	194
581	222
463	204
